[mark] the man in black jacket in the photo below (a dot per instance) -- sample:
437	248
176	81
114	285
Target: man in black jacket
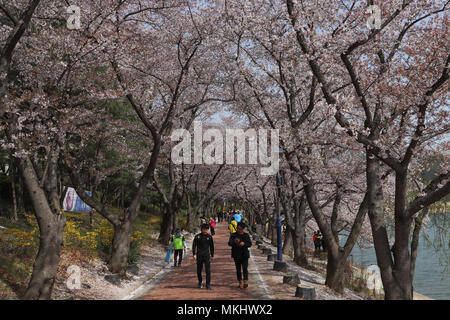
239	243
203	251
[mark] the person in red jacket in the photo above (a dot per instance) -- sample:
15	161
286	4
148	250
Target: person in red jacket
212	225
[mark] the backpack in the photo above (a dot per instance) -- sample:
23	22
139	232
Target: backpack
178	242
232	227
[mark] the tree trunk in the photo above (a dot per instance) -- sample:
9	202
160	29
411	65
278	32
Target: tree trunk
51	227
403	222
402	258
288	240
20	195
300	248
335	271
415	241
190	215
121	247
378	226
299	234
274	231
166	226
47	259
13	188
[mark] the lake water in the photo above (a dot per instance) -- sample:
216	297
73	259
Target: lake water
431	277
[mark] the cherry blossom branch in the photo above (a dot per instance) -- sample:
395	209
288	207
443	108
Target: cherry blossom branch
10	44
422	112
9	15
408	26
434	192
357	86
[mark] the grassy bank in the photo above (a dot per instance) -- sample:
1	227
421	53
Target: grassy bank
354	278
87	238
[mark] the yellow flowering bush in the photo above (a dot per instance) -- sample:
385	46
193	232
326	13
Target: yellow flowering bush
71	234
137	236
20	241
18	238
88	235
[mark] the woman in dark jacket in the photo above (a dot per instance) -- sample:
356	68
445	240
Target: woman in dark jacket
239	243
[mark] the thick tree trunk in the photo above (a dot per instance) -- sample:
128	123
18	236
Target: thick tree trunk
47	259
51	227
300	248
273	231
120	247
288	240
335	271
166	226
403	222
376	215
299	234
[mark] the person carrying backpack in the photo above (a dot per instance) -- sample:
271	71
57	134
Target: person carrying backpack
239	243
319	240
179	245
232	226
237	216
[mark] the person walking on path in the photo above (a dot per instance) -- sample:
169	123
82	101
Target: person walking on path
203	252
212	225
238	216
178	243
230	215
239	243
232	226
317	239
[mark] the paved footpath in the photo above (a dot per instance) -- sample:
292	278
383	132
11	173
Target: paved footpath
182	284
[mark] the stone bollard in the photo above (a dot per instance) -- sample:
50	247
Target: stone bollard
272	257
280	266
113	278
267	251
305	292
292	279
134	269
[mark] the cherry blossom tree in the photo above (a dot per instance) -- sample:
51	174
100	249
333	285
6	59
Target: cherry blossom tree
395	107
43	88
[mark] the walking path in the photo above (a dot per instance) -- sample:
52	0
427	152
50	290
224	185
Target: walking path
181	282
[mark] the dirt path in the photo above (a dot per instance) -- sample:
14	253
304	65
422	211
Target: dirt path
181	283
